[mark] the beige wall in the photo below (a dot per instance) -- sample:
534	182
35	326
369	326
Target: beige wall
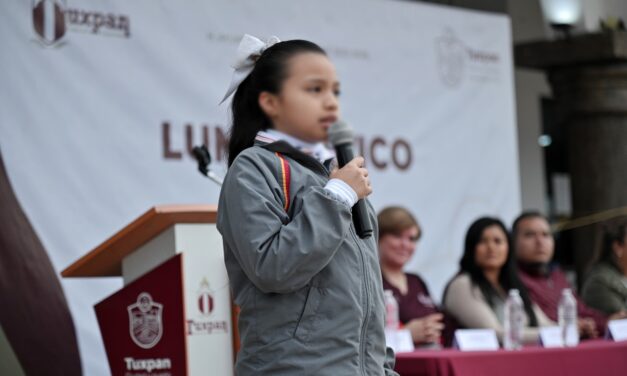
528	24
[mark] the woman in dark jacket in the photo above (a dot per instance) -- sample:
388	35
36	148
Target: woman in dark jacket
606	286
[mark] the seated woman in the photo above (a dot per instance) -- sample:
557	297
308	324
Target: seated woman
398	234
606	286
476	296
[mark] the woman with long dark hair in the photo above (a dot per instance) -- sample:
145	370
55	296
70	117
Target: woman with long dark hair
605	287
476	296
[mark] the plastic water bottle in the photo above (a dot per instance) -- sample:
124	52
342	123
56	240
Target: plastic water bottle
567	318
514	321
391	311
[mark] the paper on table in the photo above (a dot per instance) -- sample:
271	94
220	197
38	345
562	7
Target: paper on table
399	340
618	330
476	340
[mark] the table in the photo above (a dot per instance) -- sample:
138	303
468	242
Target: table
590	358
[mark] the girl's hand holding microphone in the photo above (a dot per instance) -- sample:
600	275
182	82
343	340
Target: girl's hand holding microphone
356	175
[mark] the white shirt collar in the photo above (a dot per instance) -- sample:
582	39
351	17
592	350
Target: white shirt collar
317	150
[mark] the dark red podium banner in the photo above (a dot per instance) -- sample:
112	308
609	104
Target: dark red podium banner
143	325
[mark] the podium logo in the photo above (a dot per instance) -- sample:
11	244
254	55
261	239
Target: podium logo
49	20
205	303
205	299
145	323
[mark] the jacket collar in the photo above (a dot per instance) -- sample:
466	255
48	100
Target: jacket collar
303	159
316	150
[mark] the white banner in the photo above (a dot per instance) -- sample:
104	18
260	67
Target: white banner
100	101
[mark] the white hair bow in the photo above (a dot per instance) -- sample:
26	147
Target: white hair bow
249	50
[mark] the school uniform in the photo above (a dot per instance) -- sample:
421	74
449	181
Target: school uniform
414	304
308	287
417	303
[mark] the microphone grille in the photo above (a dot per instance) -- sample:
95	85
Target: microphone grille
340	133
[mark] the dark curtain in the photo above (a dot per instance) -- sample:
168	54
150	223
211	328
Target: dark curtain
34	313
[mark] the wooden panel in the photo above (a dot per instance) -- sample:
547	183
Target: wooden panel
106	259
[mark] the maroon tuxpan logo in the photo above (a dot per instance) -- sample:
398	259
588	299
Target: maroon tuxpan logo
205	299
206	321
145	323
53	19
49	20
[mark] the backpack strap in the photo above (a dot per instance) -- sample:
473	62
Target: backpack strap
282	149
285	179
301	158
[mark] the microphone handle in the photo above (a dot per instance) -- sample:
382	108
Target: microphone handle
361	221
363	227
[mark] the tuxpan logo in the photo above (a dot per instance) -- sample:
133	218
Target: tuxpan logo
457	61
205	299
49	20
207	320
52	19
145	323
451	58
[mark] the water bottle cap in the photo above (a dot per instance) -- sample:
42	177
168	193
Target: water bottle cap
388	292
567	292
514	292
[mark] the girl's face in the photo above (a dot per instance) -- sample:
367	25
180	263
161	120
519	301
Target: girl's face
396	249
308	103
491	251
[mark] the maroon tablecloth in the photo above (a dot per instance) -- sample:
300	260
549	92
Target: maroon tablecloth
590	358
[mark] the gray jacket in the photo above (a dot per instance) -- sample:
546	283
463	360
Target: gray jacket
604	289
309	289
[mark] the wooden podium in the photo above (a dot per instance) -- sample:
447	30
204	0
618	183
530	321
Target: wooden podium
173	316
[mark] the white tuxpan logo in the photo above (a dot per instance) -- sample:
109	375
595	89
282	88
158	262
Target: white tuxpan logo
145	323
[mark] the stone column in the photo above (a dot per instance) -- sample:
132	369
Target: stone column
588	78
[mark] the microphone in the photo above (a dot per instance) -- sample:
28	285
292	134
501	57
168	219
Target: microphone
201	153
341	137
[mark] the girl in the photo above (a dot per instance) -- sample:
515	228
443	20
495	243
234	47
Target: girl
308	287
476	296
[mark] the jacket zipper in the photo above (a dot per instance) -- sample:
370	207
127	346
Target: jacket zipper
362	342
